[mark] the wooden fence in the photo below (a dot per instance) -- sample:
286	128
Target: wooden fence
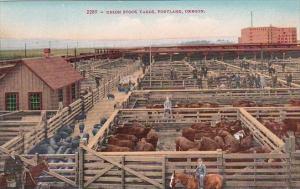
277	96
91	169
154	169
182	117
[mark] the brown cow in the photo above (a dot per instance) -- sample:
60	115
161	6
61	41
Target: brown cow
244	103
200	126
230	142
209	105
152	138
246	142
154	106
113	148
126	137
208	144
189	133
143	145
258	149
292	125
184	144
122	143
295	102
137	131
219	140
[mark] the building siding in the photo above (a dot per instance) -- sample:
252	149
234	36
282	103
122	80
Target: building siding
22	80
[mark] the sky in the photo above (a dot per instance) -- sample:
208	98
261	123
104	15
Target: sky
68	20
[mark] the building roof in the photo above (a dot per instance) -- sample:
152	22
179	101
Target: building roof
54	71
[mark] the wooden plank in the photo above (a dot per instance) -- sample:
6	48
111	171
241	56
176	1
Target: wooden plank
101	172
123	173
103	129
261	127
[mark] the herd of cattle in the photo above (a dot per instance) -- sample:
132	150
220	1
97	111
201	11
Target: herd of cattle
226	135
238	103
61	143
200	136
64	141
229	136
133	137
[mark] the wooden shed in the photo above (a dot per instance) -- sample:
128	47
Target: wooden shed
38	83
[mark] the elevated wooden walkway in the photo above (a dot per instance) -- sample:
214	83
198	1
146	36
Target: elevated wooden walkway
104	108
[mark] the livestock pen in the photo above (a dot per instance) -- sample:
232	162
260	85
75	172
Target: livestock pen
223	97
89	168
158	76
153	169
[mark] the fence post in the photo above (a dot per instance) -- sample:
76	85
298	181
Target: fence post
254	160
36	158
45	123
92	98
81	166
123	172
220	161
82	104
164	172
21	134
98	92
77	168
290	148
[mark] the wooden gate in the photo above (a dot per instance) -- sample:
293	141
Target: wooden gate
118	171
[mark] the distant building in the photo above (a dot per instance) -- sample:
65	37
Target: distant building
38	83
268	35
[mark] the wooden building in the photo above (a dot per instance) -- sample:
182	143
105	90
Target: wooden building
38	83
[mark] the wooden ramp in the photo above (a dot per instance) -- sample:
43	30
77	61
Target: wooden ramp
104	108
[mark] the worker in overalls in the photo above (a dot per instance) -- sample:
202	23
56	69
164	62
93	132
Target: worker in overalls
13	170
167	107
200	173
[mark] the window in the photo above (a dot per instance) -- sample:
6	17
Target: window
35	101
11	101
73	91
60	95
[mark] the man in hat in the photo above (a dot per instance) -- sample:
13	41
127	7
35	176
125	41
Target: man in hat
200	173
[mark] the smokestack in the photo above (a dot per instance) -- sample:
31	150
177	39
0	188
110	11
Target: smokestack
47	52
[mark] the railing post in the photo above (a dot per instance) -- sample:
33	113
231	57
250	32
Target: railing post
92	93
77	168
36	158
123	173
220	161
254	160
21	134
290	148
81	166
164	171
82	104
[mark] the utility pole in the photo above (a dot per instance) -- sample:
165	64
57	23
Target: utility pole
150	59
25	51
251	19
67	49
